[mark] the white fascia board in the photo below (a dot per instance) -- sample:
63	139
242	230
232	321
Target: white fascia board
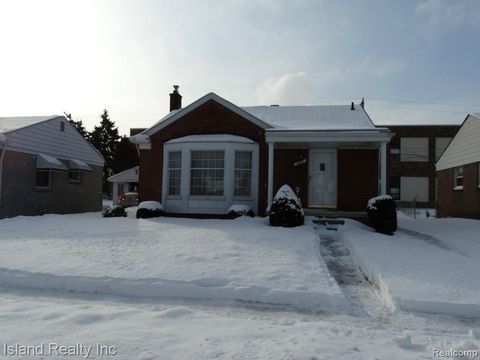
201	101
143	141
327	136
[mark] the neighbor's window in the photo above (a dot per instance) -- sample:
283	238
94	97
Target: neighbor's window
458	178
174	172
74	176
395	188
207	173
42	179
414	149
243	173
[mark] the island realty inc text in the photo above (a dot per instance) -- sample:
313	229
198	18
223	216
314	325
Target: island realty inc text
55	349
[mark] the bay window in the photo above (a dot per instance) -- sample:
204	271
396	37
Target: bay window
207	173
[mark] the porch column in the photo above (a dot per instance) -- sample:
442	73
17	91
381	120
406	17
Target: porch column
270	172
383	168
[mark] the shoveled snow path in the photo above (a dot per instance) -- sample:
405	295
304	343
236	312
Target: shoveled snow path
360	291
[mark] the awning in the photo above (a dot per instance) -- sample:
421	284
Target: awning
78	165
47	162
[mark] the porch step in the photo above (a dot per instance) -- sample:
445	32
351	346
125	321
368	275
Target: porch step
327	222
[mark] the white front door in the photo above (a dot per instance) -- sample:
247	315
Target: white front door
322	175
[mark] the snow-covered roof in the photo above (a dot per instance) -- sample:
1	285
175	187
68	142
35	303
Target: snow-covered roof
129	175
8	124
321	117
211	138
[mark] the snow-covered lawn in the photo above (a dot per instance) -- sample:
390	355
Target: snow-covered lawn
242	260
429	265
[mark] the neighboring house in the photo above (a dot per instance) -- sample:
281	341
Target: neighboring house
211	154
123	182
412	154
46	166
458	173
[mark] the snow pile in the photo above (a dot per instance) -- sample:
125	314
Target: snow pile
150	205
429	265
238	210
372	201
214	261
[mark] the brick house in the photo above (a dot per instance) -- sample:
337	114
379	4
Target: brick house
458	173
205	157
411	157
46	166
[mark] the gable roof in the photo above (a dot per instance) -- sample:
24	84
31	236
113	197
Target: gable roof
43	134
9	124
320	117
176	114
129	175
464	147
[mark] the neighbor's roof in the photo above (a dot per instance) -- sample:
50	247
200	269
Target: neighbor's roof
8	124
129	175
464	147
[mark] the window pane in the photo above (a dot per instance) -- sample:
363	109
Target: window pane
42	179
207	173
174	172
414	149
243	173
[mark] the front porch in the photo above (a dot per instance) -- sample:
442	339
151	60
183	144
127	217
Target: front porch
333	172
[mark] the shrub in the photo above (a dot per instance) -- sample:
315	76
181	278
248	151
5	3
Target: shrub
382	214
114	211
238	210
149	209
286	209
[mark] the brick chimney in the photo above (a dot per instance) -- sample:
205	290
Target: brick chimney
175	99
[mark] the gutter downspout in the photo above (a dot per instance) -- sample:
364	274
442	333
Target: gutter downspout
4	150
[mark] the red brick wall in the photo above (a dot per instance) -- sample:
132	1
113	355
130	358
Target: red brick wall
464	203
397	168
286	173
209	118
357	178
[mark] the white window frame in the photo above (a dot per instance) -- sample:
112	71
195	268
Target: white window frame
208	168
458	174
169	171
249	171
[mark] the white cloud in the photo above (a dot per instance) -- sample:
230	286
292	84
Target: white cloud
288	89
448	12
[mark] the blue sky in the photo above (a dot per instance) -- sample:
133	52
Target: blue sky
413	61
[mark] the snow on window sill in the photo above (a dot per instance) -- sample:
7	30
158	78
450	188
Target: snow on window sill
458	188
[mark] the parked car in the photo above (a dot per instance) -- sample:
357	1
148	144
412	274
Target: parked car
128	199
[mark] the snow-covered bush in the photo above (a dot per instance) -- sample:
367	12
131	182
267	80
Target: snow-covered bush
285	209
149	209
382	214
114	211
238	210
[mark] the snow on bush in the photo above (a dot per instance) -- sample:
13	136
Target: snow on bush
114	211
382	214
149	209
286	209
239	210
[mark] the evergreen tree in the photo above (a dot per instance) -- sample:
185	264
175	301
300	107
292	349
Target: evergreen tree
78	125
105	139
126	156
